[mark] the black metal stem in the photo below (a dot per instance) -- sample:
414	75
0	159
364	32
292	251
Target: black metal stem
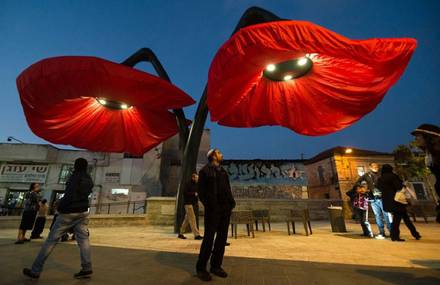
147	55
251	16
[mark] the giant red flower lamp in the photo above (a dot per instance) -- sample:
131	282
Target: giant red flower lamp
99	105
301	76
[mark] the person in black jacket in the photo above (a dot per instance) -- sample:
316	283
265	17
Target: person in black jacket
389	183
428	139
216	196
73	213
190	200
29	212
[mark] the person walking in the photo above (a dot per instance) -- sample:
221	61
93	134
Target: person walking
216	196
73	213
389	183
29	212
360	207
428	139
375	200
190	201
40	222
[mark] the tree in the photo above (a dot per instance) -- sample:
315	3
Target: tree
410	162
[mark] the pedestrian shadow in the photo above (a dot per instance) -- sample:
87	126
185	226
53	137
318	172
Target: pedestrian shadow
400	277
352	236
429	263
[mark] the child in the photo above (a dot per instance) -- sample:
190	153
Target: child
360	207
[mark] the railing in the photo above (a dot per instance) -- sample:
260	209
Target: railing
128	207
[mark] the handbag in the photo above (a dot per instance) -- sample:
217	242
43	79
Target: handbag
400	196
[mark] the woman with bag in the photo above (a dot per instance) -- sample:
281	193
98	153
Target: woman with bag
395	201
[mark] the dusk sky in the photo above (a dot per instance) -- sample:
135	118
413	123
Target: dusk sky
185	35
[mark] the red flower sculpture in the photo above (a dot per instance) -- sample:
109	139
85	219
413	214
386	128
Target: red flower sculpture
301	76
99	105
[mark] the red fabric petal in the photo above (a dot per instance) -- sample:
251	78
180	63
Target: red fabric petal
58	96
348	79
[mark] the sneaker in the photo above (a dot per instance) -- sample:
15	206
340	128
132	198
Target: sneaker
19	242
204	275
227	244
219	272
198	238
418	237
27	240
29	273
181	236
379	237
83	274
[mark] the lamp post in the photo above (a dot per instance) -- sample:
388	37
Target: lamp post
10	138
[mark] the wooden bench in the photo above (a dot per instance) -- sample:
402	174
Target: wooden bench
303	216
421	208
244	218
263	216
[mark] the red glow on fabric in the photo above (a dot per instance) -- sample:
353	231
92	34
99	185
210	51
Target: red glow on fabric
349	78
59	94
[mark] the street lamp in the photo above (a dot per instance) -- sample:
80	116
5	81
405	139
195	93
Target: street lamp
10	138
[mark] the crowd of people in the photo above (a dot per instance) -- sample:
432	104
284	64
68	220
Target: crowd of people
380	188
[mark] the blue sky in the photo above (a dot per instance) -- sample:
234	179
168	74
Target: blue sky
186	35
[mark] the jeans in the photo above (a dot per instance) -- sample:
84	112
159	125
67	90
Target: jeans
362	216
63	223
377	206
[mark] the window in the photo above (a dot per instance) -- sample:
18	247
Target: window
419	188
66	171
360	170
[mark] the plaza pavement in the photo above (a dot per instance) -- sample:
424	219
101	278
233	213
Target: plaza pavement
153	255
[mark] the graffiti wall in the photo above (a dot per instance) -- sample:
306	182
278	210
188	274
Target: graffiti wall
267	179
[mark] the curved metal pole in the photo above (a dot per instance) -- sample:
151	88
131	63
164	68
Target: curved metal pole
147	55
251	16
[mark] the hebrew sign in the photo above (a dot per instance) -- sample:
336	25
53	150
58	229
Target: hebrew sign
25	173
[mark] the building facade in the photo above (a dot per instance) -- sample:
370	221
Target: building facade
120	180
333	172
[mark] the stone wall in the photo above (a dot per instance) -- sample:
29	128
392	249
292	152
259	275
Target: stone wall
160	210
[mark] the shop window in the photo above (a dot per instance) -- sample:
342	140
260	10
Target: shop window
66	171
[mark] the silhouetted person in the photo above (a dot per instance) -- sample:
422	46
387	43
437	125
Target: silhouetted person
389	183
40	222
190	201
216	196
428	139
73	213
30	210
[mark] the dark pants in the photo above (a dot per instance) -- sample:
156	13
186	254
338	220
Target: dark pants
216	225
38	227
395	228
362	217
